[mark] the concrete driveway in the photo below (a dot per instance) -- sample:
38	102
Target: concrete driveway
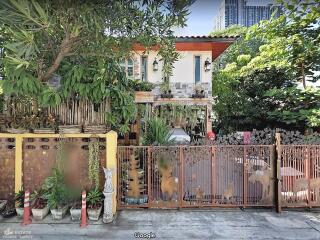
176	224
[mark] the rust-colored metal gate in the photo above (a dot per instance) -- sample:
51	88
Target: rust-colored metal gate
196	176
300	175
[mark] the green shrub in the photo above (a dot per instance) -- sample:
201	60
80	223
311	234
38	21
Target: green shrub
157	132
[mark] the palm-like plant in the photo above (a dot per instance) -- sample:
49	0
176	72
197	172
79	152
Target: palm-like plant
157	132
55	190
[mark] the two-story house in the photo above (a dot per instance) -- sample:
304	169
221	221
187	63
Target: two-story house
193	67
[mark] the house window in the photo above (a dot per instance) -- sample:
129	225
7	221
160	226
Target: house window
127	67
144	68
197	69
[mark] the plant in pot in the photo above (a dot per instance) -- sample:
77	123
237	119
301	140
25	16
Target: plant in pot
143	91
19	202
45	123
165	90
199	91
94	197
40	208
75	210
56	193
9	210
94	204
157	132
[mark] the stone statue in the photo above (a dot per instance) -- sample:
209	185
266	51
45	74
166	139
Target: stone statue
108	192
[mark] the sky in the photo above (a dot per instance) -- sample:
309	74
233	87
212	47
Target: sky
200	20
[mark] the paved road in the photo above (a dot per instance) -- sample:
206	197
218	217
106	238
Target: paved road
175	224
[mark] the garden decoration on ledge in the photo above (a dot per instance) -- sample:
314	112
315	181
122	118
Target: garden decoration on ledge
45	123
136	185
40	208
94	204
108	192
19	202
65	129
199	91
143	92
165	90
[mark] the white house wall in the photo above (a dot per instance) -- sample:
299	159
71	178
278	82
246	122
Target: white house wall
182	81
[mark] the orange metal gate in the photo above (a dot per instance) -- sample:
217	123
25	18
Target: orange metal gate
196	176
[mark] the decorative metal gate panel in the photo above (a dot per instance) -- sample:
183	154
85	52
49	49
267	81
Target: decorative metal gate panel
300	175
195	176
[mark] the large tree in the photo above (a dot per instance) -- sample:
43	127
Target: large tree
83	41
269	61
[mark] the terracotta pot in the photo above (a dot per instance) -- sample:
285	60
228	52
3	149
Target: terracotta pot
75	214
40	213
94	214
58	214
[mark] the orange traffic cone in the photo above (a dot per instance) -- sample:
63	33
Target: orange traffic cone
83	211
26	209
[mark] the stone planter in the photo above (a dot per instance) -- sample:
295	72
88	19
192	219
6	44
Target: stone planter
58	214
94	214
19	212
144	97
17	130
40	213
44	130
75	214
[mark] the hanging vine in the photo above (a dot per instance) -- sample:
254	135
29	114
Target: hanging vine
94	163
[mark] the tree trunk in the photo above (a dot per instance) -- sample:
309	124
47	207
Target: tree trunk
303	76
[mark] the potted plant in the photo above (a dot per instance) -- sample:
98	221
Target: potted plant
57	194
45	123
18	124
199	91
9	210
165	90
40	208
3	204
19	202
143	92
94	204
75	210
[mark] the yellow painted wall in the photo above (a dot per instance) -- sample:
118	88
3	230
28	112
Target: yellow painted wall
111	155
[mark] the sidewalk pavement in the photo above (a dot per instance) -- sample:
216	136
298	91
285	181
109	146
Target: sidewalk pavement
175	224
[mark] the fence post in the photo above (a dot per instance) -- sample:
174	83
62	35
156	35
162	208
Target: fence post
278	196
111	163
245	177
213	178
18	163
308	175
149	161
181	173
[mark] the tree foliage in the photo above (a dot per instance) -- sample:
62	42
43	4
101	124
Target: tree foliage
83	42
257	81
